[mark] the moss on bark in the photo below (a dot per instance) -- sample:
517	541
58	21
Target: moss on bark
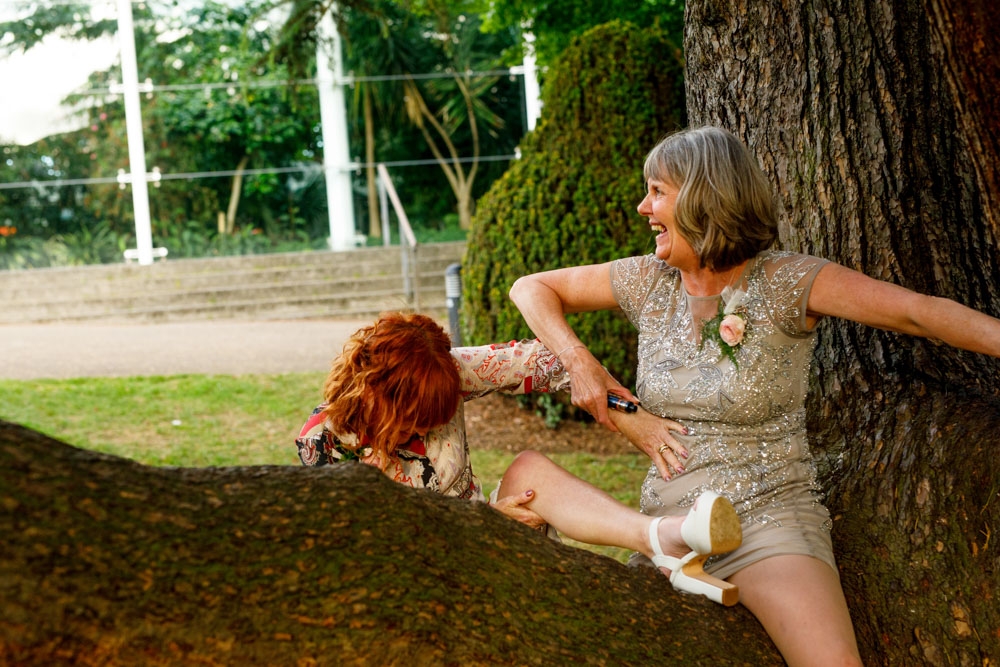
105	561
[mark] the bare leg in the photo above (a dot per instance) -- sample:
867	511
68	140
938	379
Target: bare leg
583	512
799	601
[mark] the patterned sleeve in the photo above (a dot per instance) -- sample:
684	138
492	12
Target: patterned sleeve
313	440
318	446
440	461
517	367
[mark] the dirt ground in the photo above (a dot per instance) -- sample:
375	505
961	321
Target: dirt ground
498	422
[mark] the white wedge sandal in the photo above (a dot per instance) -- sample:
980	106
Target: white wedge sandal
711	527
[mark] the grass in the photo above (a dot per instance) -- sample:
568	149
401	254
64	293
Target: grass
222	420
179	420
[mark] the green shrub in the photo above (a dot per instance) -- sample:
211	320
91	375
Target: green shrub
571	198
95	243
100	244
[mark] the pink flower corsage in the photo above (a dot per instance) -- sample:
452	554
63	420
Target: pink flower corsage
729	326
731	330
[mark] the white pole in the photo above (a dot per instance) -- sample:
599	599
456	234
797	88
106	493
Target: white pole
532	93
336	152
133	130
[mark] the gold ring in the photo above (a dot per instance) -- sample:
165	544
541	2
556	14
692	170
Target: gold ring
663	447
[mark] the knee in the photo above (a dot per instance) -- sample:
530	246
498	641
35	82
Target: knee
529	457
845	654
525	463
851	660
846	657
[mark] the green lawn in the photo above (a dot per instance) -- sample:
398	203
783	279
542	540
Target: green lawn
221	420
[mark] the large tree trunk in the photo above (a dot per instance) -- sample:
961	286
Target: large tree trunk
107	562
875	120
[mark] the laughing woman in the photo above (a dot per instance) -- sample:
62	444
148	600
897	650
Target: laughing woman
726	333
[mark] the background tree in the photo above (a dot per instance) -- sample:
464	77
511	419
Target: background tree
874	121
390	52
572	196
209	117
376	44
229	129
462	110
206	118
555	23
459	118
45	211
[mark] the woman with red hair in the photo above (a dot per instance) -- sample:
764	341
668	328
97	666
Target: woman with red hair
394	400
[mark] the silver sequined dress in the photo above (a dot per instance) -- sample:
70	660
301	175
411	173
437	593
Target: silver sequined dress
746	419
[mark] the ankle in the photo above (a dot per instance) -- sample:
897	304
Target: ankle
671	542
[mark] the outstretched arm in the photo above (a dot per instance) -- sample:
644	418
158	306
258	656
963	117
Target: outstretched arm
517	367
842	292
544	300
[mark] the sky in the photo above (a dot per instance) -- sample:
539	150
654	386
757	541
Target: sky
33	84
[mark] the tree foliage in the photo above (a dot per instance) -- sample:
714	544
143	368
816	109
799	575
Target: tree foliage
209	116
233	128
206	118
555	23
36	21
571	197
428	60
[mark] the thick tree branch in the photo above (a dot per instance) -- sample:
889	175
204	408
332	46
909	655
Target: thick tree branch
107	561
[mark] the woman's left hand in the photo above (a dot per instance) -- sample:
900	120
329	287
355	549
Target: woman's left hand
655	436
515	508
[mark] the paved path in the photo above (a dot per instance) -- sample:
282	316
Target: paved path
221	347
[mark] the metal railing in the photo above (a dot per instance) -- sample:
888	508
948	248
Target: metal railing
407	240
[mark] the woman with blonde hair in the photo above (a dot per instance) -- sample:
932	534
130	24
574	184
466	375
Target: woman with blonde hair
726	329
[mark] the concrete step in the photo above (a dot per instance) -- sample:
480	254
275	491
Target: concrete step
356	283
148	286
430	292
380	254
189	274
349	307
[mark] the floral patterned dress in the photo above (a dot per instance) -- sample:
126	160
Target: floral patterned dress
440	461
745	415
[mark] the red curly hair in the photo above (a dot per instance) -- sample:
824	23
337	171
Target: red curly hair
392	378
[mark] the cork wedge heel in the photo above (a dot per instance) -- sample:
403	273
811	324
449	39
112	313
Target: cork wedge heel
711	527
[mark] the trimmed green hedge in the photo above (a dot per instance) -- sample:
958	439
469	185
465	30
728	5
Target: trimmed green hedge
571	199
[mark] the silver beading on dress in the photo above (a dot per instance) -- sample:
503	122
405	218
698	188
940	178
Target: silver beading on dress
746	421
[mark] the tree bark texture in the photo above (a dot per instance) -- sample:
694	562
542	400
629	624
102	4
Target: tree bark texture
874	120
107	562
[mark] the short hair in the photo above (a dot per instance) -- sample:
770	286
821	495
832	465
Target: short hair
392	376
725	205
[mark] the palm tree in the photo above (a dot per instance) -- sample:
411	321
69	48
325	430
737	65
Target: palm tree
417	67
460	100
377	50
